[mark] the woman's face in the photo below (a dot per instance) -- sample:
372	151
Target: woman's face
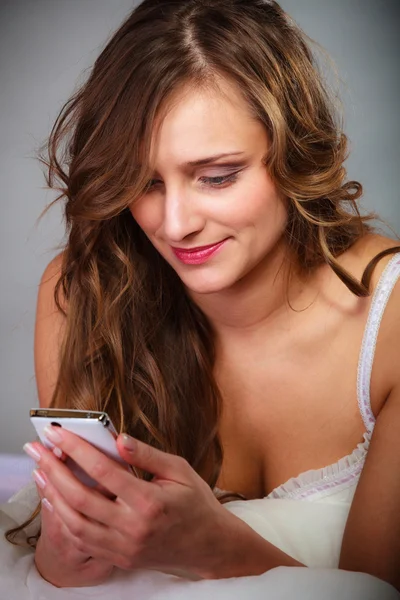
213	221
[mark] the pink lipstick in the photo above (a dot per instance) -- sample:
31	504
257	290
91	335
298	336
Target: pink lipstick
197	256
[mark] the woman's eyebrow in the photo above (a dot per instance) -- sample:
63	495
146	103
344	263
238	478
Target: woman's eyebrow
210	159
206	161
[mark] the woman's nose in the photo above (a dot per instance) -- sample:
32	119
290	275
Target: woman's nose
182	217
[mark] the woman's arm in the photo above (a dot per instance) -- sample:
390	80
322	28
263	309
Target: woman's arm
244	553
371	541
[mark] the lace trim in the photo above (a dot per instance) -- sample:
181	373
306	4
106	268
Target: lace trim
380	299
339	475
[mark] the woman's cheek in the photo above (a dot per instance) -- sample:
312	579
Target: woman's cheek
148	214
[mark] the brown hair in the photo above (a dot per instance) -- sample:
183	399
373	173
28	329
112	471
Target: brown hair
143	351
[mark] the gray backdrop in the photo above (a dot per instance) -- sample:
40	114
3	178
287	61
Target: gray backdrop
45	45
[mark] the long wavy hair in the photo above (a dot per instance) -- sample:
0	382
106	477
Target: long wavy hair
135	345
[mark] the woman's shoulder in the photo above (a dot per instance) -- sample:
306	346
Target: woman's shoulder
53	268
48	281
359	256
49	331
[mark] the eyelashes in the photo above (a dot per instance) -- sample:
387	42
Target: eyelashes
220	181
212	182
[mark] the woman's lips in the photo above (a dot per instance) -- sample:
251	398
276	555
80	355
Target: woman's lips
197	256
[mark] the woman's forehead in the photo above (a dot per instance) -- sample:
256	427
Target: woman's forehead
200	125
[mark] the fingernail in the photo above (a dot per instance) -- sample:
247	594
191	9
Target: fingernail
57	452
47	504
52	434
40	479
32	452
128	442
48	444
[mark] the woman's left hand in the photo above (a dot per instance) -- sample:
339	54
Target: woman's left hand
172	522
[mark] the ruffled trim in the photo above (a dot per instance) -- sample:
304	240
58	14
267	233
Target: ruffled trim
330	479
318	483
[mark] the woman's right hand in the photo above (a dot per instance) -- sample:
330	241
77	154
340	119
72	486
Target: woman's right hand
58	558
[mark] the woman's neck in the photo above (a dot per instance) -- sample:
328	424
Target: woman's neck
258	298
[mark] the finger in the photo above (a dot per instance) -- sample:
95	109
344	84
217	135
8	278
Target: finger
89	537
77	524
63	458
56	451
161	464
47	508
59	454
85	500
111	475
54	530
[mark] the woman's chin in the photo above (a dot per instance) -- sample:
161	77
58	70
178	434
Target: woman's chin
206	285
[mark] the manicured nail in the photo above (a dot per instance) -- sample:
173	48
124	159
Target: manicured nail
47	504
47	444
32	452
40	479
57	452
128	442
52	434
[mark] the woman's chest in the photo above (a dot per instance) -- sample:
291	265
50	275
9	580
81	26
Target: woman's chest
294	412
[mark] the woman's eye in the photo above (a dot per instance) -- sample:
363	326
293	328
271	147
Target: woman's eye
151	184
219	181
208	181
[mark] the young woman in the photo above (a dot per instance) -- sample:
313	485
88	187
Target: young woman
213	296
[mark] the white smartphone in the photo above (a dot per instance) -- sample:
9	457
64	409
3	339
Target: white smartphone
93	426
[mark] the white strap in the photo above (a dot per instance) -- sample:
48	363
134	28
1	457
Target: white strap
380	299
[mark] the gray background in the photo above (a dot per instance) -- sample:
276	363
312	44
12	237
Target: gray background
45	46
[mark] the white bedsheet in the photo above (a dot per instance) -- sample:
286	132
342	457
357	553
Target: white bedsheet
20	580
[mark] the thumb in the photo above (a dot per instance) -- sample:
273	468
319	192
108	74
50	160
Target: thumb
161	464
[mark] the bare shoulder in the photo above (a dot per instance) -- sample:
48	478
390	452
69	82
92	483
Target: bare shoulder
52	272
364	250
49	331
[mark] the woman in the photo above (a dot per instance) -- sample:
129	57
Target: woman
212	297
